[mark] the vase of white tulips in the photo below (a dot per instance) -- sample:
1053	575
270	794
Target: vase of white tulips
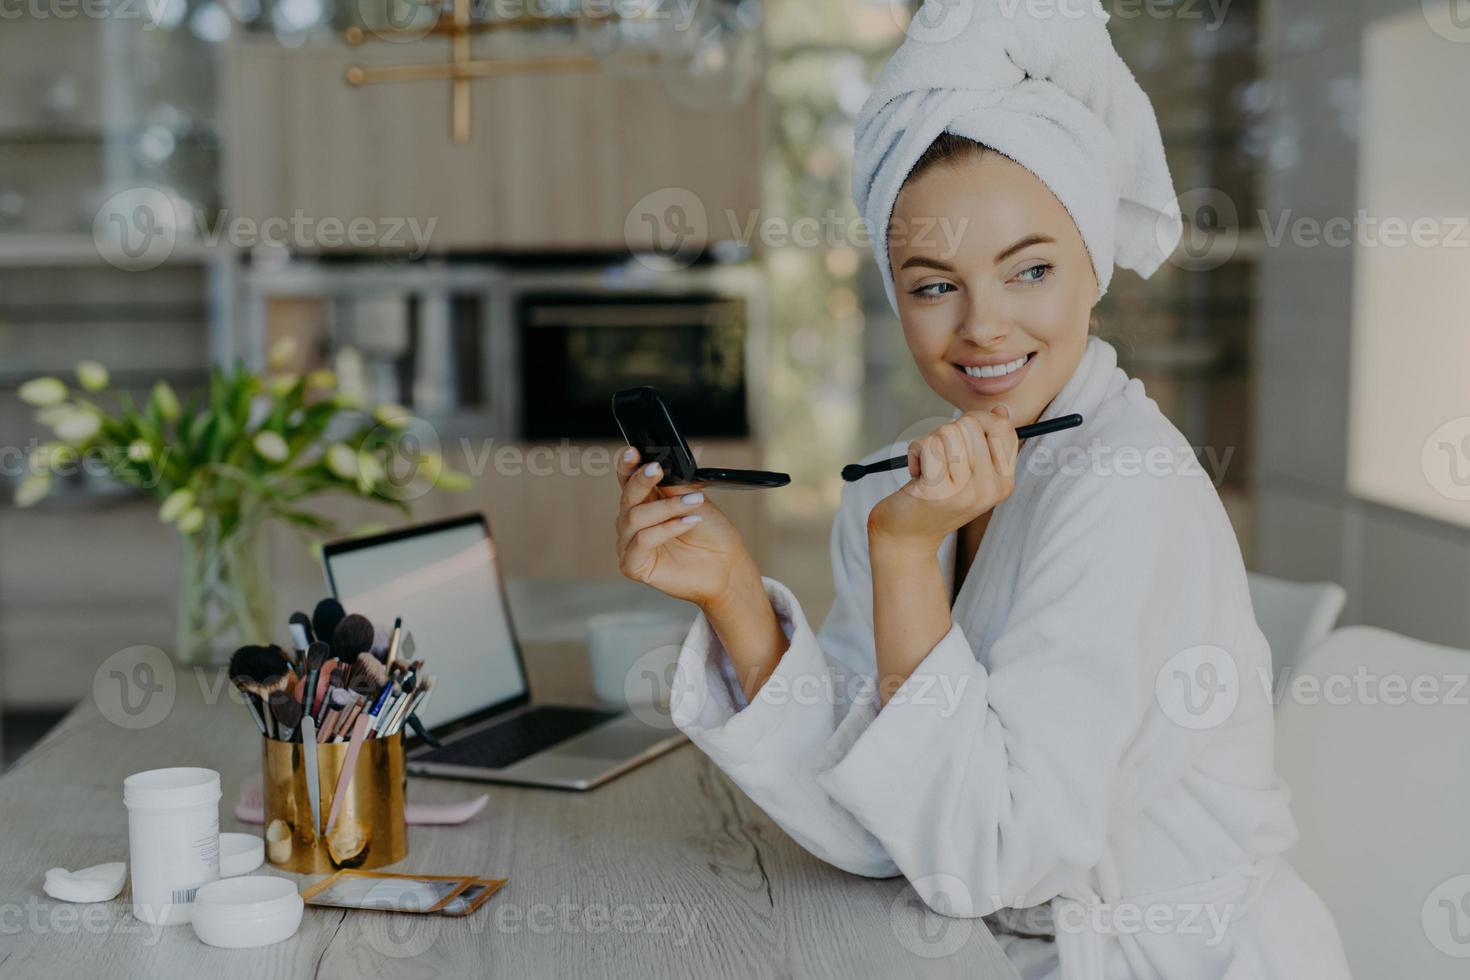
256	450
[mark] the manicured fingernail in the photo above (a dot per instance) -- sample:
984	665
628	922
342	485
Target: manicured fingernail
628	454
691	518
651	469
693	498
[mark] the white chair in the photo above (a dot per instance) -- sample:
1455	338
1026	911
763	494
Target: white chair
1380	781
1294	616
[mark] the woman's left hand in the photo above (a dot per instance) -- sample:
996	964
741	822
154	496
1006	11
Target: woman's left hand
958	472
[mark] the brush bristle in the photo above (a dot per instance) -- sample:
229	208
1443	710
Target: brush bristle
354	635
326	617
287	711
368	676
262	665
317	654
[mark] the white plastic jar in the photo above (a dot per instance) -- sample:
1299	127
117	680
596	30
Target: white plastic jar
173	840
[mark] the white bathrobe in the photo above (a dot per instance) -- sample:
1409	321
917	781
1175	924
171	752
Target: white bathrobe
1090	742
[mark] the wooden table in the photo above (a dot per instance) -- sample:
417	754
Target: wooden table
667	871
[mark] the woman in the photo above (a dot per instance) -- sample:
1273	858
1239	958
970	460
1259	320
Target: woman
1037	695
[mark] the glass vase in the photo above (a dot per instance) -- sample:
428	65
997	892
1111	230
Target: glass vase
226	597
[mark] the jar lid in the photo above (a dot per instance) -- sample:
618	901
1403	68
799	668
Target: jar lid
240	854
168	788
254	910
249	896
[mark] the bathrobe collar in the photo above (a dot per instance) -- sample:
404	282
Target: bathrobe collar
1096	379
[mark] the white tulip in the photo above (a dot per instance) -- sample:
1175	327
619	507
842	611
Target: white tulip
271	446
43	392
342	461
391	415
32	489
175	504
78	426
92	375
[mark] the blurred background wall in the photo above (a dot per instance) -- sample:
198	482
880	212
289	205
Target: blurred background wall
568	184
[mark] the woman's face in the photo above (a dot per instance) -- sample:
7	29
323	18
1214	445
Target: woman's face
989	270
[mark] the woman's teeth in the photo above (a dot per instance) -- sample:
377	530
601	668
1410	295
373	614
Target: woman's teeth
997	370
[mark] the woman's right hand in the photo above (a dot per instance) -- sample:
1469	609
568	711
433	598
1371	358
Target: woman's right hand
674	539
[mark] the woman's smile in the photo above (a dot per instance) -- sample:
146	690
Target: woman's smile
992	378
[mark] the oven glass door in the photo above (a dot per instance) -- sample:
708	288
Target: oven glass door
576	351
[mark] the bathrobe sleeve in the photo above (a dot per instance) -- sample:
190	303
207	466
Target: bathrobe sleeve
985	788
995	787
808	713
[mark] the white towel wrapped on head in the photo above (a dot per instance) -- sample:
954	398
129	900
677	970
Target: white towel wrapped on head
1040	82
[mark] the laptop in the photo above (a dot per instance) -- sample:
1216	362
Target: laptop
444	579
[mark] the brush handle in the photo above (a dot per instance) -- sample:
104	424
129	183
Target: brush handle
349	766
313	786
329	722
349	716
253	706
856	471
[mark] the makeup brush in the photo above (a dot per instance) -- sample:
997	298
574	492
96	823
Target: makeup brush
339	698
400	710
261	672
425	689
287	711
856	471
325	617
313	784
393	691
393	640
366	680
354	635
349	762
316	655
368	676
349	717
301	633
252	704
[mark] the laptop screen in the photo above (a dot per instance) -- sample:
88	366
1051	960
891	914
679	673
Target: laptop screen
445	583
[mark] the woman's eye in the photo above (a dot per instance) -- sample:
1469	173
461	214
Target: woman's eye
933	289
1041	269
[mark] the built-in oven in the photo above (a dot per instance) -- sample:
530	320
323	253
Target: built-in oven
579	339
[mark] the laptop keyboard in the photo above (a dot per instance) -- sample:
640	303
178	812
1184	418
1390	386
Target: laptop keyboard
513	740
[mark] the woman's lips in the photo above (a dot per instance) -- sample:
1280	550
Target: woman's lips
995	386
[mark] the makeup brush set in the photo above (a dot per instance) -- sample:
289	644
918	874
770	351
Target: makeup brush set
338	684
334	682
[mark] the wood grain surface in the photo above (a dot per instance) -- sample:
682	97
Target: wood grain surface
667	871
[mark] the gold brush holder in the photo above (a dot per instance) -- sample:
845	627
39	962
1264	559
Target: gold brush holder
371	830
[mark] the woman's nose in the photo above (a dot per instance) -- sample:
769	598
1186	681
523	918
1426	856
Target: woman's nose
983	325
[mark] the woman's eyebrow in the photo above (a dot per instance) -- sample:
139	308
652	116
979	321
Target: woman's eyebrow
919	260
1027	242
